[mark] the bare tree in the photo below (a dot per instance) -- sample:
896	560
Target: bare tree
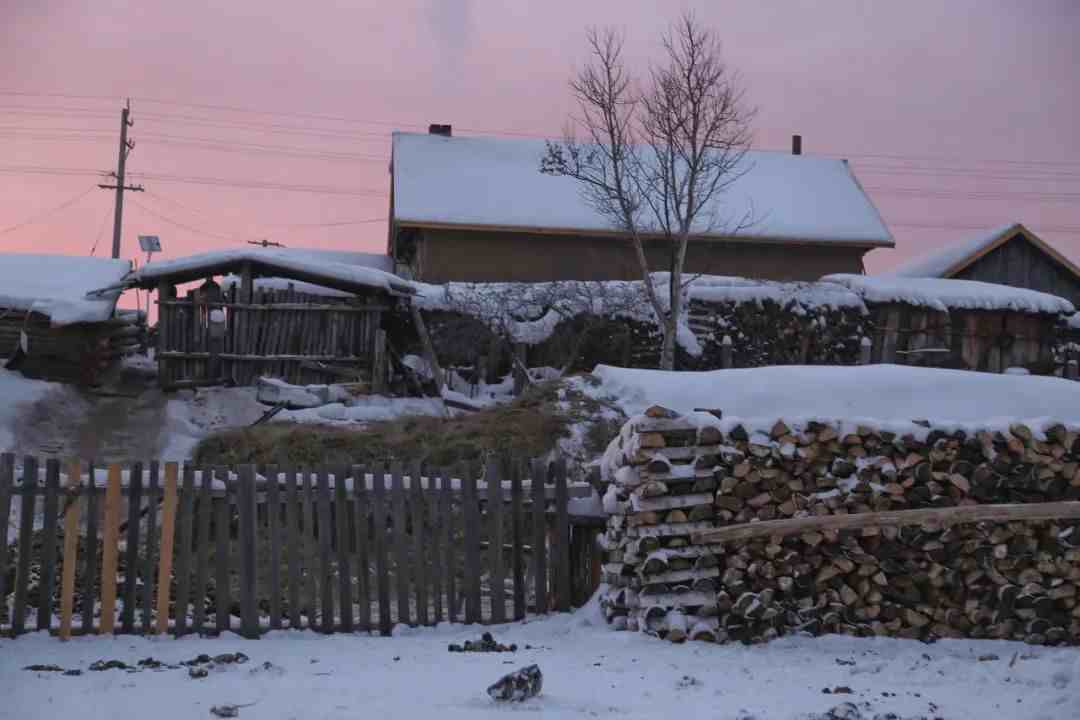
656	156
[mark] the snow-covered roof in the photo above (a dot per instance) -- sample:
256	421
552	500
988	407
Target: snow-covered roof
267	262
947	294
718	289
496	183
951	259
378	261
57	286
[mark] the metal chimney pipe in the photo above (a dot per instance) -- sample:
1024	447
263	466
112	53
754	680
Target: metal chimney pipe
796	144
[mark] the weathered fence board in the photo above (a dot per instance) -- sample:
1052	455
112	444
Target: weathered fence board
131	552
165	559
202	556
472	547
363	577
71	553
185	529
149	555
382	578
517	532
222	551
47	581
495	541
420	544
26	530
401	543
343	554
110	550
273	508
7	483
246	513
292	547
539	546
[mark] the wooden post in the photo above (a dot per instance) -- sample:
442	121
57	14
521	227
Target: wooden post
246	284
520	367
110	549
429	348
471	513
48	544
249	614
152	496
71	548
1072	369
168	527
725	353
7	483
131	552
539	539
421	547
496	573
382	579
273	507
26	529
865	347
562	533
202	560
183	552
378	363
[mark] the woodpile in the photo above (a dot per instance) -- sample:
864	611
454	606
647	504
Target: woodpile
676	479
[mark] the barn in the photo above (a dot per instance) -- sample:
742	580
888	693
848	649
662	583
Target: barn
477	209
1007	255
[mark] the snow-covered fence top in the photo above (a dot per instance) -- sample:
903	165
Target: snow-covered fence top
58	285
302	266
944	295
797	296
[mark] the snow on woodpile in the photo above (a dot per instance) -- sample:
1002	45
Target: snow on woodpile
894	397
759	322
303	265
1074	321
483	181
944	295
378	261
940	262
57	286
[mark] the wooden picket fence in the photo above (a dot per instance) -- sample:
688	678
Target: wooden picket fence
256	549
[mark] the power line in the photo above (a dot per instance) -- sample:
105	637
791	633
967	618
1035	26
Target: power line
48	213
207	216
100	232
258	185
181	225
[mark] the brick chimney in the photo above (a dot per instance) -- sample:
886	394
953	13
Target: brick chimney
444	130
796	144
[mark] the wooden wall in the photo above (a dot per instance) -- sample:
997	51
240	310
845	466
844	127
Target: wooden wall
1020	264
280	333
477	256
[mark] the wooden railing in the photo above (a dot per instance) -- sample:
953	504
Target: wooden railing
256	549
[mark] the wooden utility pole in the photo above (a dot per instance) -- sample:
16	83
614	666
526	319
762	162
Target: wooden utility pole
126	147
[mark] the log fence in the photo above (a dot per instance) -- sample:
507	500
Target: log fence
164	548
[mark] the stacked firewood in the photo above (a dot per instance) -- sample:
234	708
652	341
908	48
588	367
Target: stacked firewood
673	478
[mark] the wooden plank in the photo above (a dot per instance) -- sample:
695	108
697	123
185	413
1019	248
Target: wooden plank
71	546
471	514
165	559
292	545
420	545
202	545
344	543
273	509
7	484
222	554
517	532
539	536
562	537
149	567
131	551
400	543
382	578
326	568
47	579
185	526
110	538
26	539
90	562
247	520
363	574
493	477
446	499
311	590
434	553
936	517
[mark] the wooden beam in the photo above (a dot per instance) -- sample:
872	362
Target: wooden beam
165	556
429	348
937	517
71	549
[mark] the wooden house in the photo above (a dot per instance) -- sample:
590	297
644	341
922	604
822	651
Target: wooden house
478	209
290	328
58	317
1008	255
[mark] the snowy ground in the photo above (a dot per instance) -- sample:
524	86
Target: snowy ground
17	393
589	671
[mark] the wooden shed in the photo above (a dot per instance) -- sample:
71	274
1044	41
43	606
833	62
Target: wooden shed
1008	255
209	334
960	324
58	317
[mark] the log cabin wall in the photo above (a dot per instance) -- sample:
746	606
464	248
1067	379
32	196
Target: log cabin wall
1019	263
281	333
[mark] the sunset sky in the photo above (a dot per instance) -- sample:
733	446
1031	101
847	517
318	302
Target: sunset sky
955	115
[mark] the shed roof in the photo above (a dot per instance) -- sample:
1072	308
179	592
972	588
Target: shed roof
944	294
298	265
495	183
952	259
378	261
58	286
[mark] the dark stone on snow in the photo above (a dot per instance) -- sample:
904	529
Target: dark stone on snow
101	665
518	686
44	668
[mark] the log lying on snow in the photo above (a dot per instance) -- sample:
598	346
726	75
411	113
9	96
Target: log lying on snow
748	535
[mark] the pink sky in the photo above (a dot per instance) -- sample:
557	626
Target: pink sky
954	114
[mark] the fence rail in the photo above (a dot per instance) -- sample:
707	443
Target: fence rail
256	549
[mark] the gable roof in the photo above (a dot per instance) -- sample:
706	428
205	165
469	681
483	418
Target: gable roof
952	259
271	263
495	183
59	286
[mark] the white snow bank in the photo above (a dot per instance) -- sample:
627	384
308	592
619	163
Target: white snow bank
947	294
16	394
303	266
1074	321
371	408
482	180
589	672
56	285
941	262
807	295
882	395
